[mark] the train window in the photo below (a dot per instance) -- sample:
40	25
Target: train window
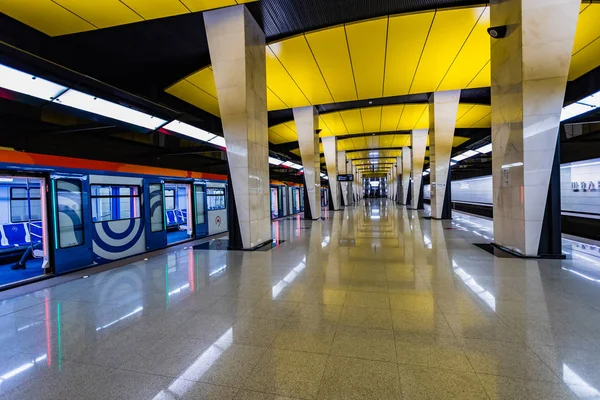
24	207
199	204
112	202
170	199
156	207
70	215
215	198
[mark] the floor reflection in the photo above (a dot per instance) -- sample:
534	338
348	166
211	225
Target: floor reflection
372	302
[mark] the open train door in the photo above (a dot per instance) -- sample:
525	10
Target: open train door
154	206
71	222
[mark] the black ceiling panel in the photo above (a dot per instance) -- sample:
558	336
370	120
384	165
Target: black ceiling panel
282	18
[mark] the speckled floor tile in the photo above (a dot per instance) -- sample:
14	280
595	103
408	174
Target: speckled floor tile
288	373
421	383
372	344
350	378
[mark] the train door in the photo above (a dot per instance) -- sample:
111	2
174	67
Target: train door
154	207
178	201
71	222
301	199
23	229
274	203
284	200
200	220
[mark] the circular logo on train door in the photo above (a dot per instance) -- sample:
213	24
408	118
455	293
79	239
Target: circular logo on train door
218	220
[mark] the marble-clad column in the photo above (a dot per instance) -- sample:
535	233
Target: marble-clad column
307	125
330	151
406	168
400	171
443	107
529	71
342	163
418	140
237	51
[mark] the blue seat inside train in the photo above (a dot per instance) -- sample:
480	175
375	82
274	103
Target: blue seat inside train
35	231
171	219
15	235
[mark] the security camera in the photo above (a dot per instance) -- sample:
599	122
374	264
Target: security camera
497	32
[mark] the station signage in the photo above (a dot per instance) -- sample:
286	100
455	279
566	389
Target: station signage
345	178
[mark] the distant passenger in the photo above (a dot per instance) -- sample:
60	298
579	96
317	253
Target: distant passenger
28	255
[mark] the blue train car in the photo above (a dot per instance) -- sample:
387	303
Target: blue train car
61	214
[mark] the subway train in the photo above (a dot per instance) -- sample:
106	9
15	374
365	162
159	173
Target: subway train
60	214
286	199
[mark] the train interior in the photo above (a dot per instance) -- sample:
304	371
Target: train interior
22	229
177	204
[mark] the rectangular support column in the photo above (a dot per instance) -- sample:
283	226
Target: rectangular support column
529	69
330	150
442	121
418	140
237	51
307	125
341	163
406	168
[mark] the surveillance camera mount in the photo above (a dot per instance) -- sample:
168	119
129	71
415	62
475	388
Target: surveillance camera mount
497	32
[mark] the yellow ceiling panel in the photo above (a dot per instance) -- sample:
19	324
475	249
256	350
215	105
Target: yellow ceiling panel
483	77
274	102
423	121
282	84
287	131
406	38
587	26
352	121
473	115
195	96
150	9
371	117
331	52
359	143
205	80
390	115
367	42
484	122
101	13
585	60
275	138
296	57
343	145
334	122
587	42
410	116
458	140
448	33
401	140
386	140
474	55
202	5
45	16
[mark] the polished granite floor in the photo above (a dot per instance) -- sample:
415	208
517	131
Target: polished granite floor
374	302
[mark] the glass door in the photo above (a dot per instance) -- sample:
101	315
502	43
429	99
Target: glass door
72	225
154	206
201	222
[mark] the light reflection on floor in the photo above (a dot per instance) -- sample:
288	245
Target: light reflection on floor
373	302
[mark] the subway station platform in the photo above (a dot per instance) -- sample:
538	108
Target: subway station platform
373	302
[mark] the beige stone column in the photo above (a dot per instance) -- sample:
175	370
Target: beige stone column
406	168
442	121
307	125
330	151
237	51
529	70
342	170
418	140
